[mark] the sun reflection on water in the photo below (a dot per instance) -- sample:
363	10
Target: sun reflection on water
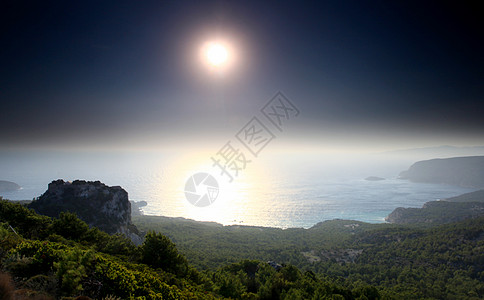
243	201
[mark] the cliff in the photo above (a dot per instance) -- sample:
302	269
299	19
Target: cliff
460	171
97	204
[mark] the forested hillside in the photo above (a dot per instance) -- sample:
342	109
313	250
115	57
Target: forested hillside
407	262
65	258
45	258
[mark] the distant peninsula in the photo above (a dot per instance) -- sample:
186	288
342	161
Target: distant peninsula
8	186
469	205
460	171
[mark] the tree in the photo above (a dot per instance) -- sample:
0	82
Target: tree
70	226
159	251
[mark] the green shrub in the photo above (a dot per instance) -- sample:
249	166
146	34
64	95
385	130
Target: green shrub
70	226
24	220
42	283
72	268
8	239
158	251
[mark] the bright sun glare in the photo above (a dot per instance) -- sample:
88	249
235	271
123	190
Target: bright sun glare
216	54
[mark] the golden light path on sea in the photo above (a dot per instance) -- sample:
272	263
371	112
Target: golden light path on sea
243	201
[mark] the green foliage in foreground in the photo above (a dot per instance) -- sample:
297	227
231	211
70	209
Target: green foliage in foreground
62	258
402	261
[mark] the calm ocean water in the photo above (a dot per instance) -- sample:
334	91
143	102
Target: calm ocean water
279	191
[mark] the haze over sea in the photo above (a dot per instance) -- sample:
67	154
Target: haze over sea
273	190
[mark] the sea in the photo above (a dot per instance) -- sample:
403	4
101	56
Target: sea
283	190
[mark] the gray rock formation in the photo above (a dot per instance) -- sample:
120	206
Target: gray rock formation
97	204
136	207
460	171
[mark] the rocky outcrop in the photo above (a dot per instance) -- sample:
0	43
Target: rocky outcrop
97	204
136	207
8	186
460	171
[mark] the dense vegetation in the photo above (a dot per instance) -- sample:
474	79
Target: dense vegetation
339	259
45	258
406	262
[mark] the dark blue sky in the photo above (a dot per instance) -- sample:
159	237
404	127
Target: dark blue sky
114	73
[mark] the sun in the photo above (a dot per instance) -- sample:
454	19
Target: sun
216	54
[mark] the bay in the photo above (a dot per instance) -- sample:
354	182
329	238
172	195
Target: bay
279	190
